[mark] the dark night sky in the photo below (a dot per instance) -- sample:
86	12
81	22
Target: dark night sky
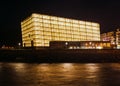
12	12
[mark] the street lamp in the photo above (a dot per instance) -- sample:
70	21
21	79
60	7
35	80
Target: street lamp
19	45
66	44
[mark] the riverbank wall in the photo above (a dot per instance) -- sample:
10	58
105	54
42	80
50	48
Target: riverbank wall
60	55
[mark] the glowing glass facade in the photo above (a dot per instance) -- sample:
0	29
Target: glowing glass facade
41	29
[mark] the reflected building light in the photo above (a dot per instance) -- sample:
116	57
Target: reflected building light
92	71
91	67
115	66
44	67
67	66
19	67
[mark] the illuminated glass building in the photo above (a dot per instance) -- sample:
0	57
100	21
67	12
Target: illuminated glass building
39	30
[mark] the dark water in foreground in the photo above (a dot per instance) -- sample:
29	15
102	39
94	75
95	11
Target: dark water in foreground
60	74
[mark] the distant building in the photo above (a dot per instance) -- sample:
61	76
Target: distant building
118	38
109	36
39	30
113	37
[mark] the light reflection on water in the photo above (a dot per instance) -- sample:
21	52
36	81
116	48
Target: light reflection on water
60	74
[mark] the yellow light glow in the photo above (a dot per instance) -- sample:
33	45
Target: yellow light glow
99	47
67	66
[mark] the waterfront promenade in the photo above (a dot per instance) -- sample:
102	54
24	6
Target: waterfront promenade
60	55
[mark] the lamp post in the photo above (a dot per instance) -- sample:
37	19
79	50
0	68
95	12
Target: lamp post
19	45
66	45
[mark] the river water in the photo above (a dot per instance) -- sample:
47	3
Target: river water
60	74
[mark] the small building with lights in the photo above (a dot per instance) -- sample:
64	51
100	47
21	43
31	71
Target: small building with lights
39	30
118	38
113	37
109	36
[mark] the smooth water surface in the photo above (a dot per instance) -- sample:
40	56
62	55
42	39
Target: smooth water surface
60	74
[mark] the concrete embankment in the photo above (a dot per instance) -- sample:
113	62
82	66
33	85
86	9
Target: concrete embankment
54	55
